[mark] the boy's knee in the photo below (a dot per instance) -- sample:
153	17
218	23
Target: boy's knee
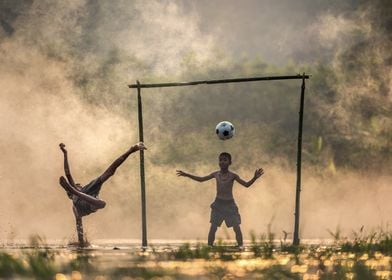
101	204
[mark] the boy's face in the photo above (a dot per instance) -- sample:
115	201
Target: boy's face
224	162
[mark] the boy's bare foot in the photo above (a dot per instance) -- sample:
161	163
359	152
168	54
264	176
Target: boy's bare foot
240	247
139	146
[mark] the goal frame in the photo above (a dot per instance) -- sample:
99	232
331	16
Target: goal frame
139	86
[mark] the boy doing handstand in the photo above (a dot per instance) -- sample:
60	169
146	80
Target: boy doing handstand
85	199
224	207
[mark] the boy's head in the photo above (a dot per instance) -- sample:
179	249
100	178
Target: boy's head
224	160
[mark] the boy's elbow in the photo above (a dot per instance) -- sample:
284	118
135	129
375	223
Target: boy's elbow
200	179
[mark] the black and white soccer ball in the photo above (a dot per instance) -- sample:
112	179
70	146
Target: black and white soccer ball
225	130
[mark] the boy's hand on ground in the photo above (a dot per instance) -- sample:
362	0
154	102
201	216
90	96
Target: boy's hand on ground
259	172
180	173
62	147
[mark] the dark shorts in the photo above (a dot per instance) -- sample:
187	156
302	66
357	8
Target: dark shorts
84	208
93	187
225	210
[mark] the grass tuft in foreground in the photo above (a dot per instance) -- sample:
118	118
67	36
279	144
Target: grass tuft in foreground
365	256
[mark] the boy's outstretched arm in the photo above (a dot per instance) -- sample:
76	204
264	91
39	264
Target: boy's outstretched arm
257	175
66	165
193	177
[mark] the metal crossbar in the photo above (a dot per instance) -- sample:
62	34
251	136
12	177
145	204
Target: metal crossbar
222	81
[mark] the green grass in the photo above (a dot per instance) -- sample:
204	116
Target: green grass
10	266
186	252
264	247
221	251
364	243
263	258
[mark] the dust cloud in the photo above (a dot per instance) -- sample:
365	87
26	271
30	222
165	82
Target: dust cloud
64	71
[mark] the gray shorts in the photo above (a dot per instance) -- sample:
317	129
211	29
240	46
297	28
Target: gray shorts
225	210
93	187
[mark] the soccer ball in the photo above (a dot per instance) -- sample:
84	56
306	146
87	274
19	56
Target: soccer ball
225	130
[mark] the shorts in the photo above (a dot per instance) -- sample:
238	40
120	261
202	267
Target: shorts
84	208
225	210
93	187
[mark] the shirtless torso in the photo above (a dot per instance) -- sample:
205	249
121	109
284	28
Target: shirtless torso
224	185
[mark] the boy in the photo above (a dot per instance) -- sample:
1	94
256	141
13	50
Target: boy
85	199
224	207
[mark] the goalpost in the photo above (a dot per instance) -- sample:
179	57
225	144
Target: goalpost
139	86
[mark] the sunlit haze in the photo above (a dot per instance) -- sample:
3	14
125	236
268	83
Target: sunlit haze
65	67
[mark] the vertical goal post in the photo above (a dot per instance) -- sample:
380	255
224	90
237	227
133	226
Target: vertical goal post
139	86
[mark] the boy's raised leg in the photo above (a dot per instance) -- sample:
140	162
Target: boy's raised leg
109	172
